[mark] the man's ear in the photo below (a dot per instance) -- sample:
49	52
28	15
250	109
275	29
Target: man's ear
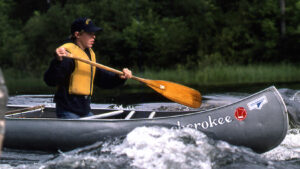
77	34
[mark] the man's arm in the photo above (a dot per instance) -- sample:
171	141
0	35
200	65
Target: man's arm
107	80
59	71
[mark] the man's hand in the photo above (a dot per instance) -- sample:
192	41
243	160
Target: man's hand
127	74
60	52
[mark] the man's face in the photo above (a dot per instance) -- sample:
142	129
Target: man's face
85	39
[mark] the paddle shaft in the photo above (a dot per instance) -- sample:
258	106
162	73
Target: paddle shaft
103	67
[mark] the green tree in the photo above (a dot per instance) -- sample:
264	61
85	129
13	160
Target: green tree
152	33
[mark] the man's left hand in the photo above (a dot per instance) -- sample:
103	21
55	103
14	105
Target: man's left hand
126	74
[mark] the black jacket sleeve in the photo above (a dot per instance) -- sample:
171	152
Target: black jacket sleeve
59	71
107	80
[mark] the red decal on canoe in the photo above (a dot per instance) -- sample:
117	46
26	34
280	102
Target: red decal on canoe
240	113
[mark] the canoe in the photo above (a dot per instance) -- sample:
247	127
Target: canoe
259	121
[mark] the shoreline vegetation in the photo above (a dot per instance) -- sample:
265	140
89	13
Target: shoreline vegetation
157	34
221	46
20	82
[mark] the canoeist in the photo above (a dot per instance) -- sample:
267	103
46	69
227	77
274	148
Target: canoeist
74	79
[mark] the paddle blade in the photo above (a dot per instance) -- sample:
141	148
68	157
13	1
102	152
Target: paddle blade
176	92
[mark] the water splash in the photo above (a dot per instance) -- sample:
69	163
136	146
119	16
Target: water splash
151	147
156	147
289	149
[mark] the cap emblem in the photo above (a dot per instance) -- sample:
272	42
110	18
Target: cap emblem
87	21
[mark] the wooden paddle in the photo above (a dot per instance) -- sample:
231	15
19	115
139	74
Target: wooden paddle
173	91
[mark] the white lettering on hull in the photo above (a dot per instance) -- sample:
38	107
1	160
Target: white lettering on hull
210	123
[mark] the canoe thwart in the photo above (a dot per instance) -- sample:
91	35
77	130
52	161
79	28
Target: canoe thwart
104	115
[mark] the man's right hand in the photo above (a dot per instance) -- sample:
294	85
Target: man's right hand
60	52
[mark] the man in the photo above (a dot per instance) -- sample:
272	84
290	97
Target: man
75	79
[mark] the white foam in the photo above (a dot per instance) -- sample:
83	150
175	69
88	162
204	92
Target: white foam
151	147
288	149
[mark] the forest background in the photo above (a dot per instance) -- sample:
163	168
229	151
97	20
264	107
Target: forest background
190	41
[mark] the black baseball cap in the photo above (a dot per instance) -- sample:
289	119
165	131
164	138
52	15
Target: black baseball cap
84	24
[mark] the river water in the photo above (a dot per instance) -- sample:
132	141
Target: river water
160	148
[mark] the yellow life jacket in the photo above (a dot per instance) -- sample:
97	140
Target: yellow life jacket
82	78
